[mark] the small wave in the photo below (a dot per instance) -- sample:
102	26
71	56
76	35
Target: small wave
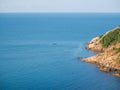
77	51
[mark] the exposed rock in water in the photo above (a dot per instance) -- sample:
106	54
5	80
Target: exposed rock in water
117	74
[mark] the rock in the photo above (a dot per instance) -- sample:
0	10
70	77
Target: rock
105	69
116	74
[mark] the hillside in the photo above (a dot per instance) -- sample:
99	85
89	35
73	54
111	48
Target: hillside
112	37
107	47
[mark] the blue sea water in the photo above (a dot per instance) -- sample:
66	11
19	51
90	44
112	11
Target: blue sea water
39	51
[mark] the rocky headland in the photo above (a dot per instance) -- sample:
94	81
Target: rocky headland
107	48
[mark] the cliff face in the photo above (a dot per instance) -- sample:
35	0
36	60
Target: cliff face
107	47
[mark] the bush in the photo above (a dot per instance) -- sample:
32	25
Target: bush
117	50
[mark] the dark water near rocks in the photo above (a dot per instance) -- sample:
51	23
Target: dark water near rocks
39	51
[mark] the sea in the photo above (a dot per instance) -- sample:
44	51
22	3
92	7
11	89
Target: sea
42	51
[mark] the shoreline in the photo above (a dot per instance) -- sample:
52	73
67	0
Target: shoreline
104	57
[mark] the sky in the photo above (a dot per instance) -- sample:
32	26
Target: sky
60	6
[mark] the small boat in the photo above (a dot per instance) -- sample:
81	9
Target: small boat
54	43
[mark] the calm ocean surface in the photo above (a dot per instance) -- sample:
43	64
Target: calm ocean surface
39	51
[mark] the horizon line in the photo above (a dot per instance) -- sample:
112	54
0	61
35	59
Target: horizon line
57	12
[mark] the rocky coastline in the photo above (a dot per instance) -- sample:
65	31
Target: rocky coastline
105	58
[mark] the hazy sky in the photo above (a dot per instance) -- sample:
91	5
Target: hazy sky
59	5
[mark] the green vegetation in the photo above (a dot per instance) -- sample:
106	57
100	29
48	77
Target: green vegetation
112	37
100	36
117	50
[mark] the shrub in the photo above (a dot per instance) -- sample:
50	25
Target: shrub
117	50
